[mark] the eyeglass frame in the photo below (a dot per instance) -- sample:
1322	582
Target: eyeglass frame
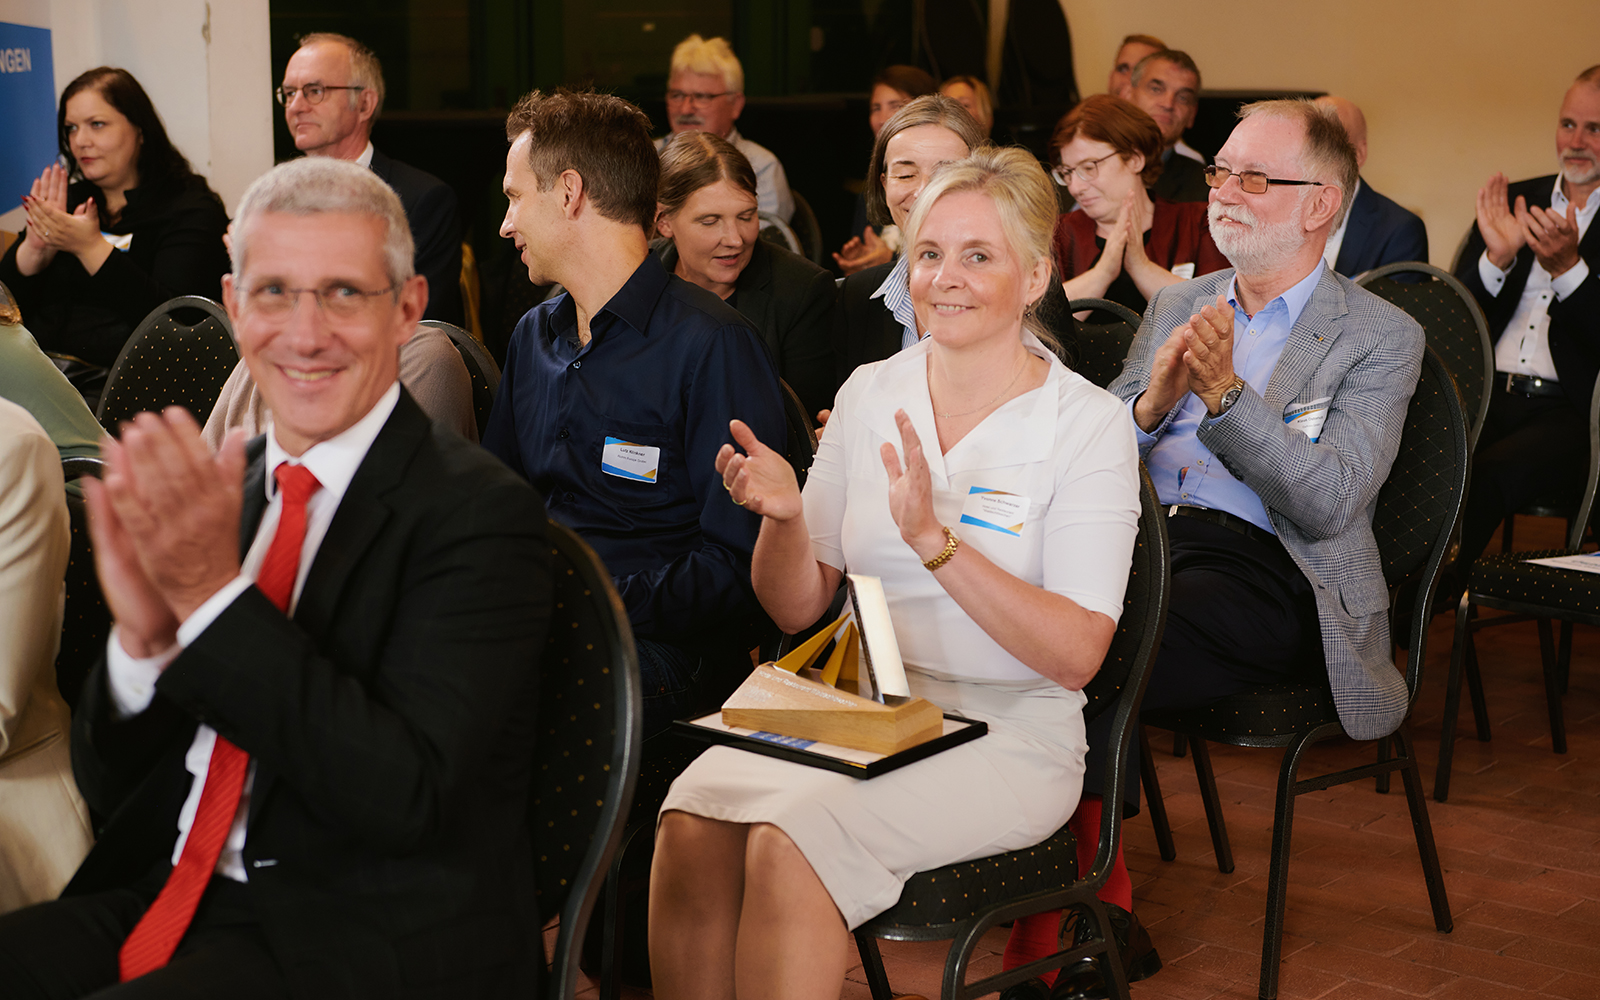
317	293
1088	176
286	95
1212	170
695	98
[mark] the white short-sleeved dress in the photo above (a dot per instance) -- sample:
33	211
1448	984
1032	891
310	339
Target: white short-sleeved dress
1068	448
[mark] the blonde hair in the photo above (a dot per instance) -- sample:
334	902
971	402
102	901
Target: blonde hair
714	55
365	69
980	97
1025	199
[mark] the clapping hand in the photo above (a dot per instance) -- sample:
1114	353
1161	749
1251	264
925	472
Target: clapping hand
911	492
51	227
1208	352
760	480
1553	237
1503	234
862	252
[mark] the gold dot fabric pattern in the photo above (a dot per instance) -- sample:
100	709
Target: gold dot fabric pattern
169	363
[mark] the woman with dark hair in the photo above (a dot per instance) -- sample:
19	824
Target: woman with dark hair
1120	243
706	209
124	226
892	89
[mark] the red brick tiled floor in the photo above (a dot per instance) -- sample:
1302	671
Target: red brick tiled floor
1519	839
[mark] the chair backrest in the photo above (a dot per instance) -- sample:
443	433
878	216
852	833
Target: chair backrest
1586	510
169	361
481	368
775	230
801	444
586	760
806	229
1119	685
1420	502
87	620
1451	321
1103	343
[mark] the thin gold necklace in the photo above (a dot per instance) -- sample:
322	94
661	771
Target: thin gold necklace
985	406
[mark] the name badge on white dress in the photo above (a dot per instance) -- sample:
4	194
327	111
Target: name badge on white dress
996	510
1308	418
639	462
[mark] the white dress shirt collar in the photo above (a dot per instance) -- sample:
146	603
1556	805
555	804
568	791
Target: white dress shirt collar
334	461
365	159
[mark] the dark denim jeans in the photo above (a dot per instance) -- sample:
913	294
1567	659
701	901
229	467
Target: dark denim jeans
680	682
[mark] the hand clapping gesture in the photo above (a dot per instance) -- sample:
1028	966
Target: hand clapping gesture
1208	351
911	492
52	229
1503	235
760	480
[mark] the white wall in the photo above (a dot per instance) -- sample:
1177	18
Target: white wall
1453	90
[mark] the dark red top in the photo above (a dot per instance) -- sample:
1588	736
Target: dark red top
1178	234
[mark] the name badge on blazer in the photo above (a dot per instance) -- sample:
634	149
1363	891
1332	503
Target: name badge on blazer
995	510
638	462
1308	418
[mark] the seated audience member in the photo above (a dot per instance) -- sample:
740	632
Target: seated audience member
1119	243
1133	49
340	125
1275	573
1376	231
617	394
1166	86
1532	261
973	94
706	209
314	758
123	227
763	866
46	824
705	93
892	89
431	370
31	380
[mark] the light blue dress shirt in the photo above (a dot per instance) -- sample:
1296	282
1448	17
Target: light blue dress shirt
896	294
1185	471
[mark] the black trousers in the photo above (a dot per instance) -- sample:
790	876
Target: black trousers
67	949
1241	615
1530	449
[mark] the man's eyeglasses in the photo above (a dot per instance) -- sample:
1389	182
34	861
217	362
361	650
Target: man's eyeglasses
693	97
1250	181
1087	170
315	93
341	302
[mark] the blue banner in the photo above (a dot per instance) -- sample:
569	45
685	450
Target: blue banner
27	110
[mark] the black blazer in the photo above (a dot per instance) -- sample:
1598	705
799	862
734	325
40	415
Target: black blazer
430	206
1379	232
1182	179
1574	322
392	726
864	330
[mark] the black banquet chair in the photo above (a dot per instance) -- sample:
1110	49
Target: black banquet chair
180	355
966	900
586	761
1103	338
485	374
1416	514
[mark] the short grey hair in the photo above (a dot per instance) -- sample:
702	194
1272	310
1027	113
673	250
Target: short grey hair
366	71
312	185
1326	155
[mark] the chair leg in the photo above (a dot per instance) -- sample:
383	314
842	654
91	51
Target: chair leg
1180	744
1452	700
1480	706
1564	656
1506	532
1552	687
1432	873
1152	796
1278	872
872	965
1207	780
1382	781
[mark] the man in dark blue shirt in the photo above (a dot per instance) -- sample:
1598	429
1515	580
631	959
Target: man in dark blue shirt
617	395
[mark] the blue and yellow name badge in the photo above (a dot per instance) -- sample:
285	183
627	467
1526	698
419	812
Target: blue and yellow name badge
1308	418
122	242
996	510
638	462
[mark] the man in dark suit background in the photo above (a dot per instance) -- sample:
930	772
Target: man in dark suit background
1531	261
339	125
1376	231
313	761
1166	86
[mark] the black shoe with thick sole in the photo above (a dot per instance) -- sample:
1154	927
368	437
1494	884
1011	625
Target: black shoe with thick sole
1084	981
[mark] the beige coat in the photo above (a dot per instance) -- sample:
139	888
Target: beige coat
44	825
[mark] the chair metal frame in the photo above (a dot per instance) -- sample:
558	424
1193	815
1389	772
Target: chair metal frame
806	229
770	223
1402	758
1150	620
479	364
578	900
212	309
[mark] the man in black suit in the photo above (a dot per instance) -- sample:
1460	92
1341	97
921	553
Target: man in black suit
1376	231
1166	86
340	126
1532	260
313	761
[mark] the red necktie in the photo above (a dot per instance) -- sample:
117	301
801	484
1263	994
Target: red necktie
158	932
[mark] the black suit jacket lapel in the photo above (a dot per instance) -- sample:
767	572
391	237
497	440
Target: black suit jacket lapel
1357	233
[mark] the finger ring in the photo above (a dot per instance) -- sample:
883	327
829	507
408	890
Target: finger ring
739	502
727	487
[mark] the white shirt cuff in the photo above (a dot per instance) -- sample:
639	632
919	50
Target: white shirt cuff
207	613
132	679
1492	277
1568	281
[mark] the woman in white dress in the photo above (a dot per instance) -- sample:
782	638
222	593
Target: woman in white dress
763	866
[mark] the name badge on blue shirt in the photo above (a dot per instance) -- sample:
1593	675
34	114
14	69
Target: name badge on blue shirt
639	462
995	510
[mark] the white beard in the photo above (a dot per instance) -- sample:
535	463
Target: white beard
1575	173
1259	248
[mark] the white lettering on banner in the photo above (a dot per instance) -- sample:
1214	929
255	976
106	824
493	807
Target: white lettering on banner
16	60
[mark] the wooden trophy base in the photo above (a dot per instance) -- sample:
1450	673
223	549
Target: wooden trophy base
775	701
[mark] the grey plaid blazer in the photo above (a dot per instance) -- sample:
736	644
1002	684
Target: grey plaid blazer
1366	354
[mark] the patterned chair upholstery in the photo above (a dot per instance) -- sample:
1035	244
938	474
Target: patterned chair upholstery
1416	515
87	621
963	901
485	374
1103	345
168	361
590	725
1509	582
